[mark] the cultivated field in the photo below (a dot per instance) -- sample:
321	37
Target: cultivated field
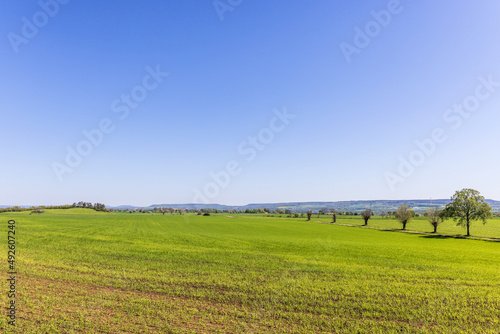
86	272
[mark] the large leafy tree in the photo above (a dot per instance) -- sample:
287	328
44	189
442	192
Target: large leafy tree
404	214
466	206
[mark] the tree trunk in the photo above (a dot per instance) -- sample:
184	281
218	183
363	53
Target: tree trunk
366	221
435	228
404	225
468	222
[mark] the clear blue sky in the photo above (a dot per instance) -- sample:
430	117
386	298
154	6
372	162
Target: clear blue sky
359	103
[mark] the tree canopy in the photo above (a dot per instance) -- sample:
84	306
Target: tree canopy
367	214
404	214
466	206
434	216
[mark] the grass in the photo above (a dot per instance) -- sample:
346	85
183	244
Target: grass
72	211
141	273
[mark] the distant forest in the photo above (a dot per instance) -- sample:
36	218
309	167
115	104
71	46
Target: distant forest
42	208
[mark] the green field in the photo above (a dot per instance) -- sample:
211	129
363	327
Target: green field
420	224
88	272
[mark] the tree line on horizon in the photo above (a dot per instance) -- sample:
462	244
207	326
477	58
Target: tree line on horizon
42	208
466	206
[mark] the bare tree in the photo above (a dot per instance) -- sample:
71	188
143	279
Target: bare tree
309	214
434	217
367	214
404	214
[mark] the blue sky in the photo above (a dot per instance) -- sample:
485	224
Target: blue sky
353	116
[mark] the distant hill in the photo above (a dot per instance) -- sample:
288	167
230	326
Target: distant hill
125	207
377	206
198	206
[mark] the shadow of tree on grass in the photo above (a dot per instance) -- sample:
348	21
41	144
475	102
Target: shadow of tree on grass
441	236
